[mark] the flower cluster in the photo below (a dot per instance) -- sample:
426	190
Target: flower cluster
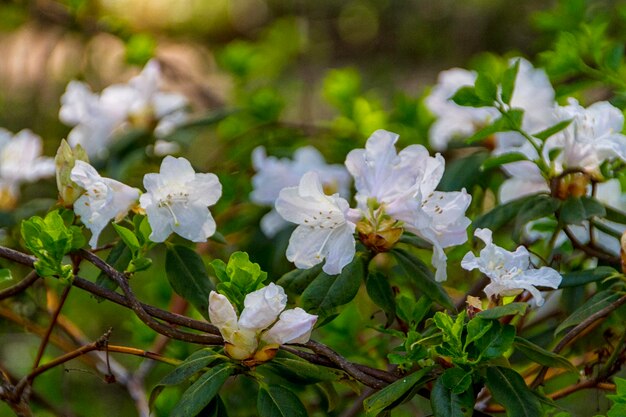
262	326
176	200
395	192
274	174
510	272
96	118
20	162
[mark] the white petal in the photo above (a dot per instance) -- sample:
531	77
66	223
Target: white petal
294	326
222	314
262	307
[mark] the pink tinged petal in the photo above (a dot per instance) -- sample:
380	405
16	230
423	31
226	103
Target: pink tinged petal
294	326
262	307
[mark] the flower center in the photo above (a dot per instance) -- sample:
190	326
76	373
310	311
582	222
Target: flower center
171	199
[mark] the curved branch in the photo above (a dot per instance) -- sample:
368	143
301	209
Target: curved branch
29	280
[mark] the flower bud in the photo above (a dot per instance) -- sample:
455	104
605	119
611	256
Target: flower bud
64	162
262	307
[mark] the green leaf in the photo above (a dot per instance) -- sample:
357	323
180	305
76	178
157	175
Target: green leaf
496	341
552	130
238	278
447	404
460	173
302	372
188	277
413	312
128	237
578	278
296	281
542	356
508	82
476	328
381	293
276	401
467	96
216	408
509	389
139	264
498	125
505	310
593	305
614	215
194	363
485	88
328	292
537	207
457	380
387	396
496	161
423	278
576	210
501	214
200	394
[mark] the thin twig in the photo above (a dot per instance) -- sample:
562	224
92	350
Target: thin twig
28	280
589	250
572	334
53	320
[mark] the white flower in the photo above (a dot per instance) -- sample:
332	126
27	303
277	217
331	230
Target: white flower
403	186
323	231
104	199
454	121
274	174
20	162
244	336
533	93
510	272
98	117
592	137
177	200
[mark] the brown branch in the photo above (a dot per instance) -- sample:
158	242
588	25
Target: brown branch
136	306
28	379
323	355
345	365
29	280
572	334
589	250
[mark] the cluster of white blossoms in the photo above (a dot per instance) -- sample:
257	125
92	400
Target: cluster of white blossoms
394	192
274	174
262	325
176	200
97	118
20	162
533	93
510	272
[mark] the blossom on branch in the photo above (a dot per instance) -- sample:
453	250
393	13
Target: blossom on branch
510	272
20	162
259	330
104	199
401	187
274	174
323	230
97	118
177	200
